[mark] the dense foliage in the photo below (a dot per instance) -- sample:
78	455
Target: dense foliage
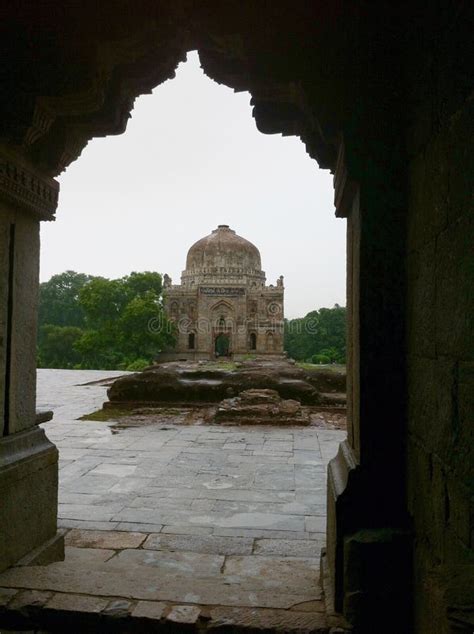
96	323
93	322
320	337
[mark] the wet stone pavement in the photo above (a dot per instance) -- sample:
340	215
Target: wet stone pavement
182	521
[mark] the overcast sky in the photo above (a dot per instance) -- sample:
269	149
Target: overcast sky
192	158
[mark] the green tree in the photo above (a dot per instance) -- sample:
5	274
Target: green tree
99	350
143	283
57	349
119	323
59	299
102	301
139	334
321	333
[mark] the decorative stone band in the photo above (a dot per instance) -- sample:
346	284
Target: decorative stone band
191	291
26	189
223	269
225	291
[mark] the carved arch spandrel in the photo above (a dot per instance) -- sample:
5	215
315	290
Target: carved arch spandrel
222	304
118	58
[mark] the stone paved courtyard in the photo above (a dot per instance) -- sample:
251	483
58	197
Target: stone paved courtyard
220	518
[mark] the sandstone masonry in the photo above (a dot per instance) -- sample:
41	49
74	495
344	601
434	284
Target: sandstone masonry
223	307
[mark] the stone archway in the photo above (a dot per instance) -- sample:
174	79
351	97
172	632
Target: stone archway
253	341
270	341
63	123
342	77
222	346
281	104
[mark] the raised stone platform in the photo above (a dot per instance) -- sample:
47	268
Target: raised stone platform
211	382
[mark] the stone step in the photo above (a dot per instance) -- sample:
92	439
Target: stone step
42	612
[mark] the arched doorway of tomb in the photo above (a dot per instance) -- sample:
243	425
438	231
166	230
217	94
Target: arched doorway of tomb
270	342
222	345
174	310
222	319
253	341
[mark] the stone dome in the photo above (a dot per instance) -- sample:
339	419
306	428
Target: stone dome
223	249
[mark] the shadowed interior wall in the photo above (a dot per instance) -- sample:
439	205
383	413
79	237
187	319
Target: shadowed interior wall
440	320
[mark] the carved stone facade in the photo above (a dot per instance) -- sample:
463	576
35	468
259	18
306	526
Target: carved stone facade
223	307
23	187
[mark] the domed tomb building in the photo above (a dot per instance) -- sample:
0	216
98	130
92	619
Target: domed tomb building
223	307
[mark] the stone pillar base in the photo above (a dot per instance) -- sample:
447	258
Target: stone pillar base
336	622
342	514
46	553
368	573
28	496
377	579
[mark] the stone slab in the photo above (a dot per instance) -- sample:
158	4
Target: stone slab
76	603
86	556
118	609
37	598
286	508
209	544
137	527
260	533
268	521
281	574
184	614
119	470
241	619
149	610
117	540
87	512
186	530
173	563
6	595
289	547
86	525
144	584
315	524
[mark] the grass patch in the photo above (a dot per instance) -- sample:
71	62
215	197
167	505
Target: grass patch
104	415
225	365
337	368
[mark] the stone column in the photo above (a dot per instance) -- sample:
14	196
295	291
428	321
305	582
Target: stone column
368	544
28	460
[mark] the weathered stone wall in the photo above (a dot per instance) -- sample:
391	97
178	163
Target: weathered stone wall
440	318
256	310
